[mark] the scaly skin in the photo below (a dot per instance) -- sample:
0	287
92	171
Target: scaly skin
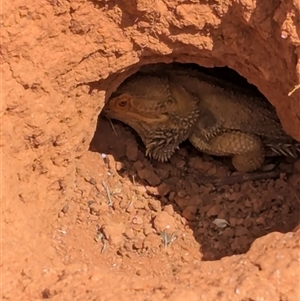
168	105
154	107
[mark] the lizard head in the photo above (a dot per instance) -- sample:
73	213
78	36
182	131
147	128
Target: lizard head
161	113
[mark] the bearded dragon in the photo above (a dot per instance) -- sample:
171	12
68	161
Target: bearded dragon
168	104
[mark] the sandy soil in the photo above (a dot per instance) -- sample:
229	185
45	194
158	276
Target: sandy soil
84	215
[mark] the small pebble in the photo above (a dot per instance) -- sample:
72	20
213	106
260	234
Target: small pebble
92	181
65	208
189	213
150	176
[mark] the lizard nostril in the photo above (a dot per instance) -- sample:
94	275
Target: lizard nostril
106	110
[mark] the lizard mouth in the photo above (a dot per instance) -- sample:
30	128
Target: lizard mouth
129	116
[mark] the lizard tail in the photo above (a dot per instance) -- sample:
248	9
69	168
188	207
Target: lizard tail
285	149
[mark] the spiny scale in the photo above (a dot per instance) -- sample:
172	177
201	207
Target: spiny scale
285	149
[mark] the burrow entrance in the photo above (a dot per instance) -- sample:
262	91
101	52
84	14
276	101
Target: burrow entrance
225	219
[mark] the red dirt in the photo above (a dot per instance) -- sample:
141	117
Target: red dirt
85	216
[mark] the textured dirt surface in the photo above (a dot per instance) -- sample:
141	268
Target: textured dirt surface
85	216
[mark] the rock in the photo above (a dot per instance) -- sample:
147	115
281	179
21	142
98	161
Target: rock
214	210
149	175
189	213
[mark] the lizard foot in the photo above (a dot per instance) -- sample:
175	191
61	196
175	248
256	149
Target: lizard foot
247	162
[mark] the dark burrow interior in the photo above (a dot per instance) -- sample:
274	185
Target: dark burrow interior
249	208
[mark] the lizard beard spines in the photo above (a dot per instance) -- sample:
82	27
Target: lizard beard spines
162	142
161	145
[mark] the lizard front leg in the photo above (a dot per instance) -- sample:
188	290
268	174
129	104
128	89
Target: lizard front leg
246	150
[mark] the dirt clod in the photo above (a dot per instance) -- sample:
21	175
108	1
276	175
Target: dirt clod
149	175
189	213
114	233
162	221
214	210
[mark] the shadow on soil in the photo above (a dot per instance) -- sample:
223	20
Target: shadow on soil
253	209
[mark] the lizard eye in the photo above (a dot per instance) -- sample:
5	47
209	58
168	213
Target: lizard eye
122	103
